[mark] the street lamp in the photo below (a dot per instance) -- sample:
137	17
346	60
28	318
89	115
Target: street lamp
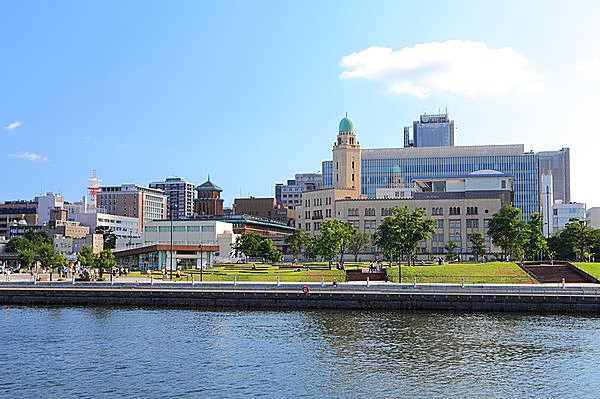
174	208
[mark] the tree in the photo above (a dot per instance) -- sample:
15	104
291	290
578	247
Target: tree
333	239
104	260
478	245
535	242
51	259
578	236
86	256
108	237
26	257
450	247
298	242
247	244
267	250
403	230
358	242
508	231
31	240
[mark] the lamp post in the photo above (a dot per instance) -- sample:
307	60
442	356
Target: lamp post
173	209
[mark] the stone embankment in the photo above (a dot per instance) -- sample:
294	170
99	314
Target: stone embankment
557	298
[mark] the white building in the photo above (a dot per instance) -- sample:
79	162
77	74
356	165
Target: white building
193	233
593	217
563	214
180	196
45	203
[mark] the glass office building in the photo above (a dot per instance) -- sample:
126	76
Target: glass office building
383	168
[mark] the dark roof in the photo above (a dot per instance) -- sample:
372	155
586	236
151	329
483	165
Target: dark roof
208	185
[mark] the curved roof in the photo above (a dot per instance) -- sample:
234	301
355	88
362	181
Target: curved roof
346	125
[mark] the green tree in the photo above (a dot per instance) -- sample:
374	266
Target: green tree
86	256
508	231
104	260
247	244
535	242
477	245
33	240
51	259
450	247
334	238
298	242
403	229
267	250
26	257
578	236
358	242
108	237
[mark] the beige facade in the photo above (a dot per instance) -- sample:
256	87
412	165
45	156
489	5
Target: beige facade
143	203
346	162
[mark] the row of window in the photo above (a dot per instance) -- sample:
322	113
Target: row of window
179	229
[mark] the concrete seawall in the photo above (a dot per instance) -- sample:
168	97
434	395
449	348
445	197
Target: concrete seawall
509	298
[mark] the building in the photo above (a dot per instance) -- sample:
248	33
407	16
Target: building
180	244
563	214
431	131
593	217
388	167
45	203
71	245
462	204
143	203
12	212
266	208
208	199
180	197
290	194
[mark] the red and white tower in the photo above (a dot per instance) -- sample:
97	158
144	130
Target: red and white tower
94	187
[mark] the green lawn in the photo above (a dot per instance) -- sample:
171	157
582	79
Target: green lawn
473	273
593	269
491	272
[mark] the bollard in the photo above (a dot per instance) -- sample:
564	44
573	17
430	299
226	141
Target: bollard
463	282
192	279
234	280
34	279
151	280
73	279
367	281
563	283
415	283
278	281
322	281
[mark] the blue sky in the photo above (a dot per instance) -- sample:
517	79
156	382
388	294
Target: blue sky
252	92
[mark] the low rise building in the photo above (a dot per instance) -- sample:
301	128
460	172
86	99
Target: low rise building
12	212
70	245
593	217
266	208
564	213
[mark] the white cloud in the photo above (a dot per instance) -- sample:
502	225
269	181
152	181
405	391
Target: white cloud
454	66
30	156
589	67
13	126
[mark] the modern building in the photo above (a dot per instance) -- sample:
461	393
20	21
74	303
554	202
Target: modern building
180	244
593	217
391	167
208	199
563	214
266	208
45	203
462	204
143	203
431	131
12	212
290	194
180	196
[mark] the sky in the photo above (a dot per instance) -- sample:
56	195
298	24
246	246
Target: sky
251	92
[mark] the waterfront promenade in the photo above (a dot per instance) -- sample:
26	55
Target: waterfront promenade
136	291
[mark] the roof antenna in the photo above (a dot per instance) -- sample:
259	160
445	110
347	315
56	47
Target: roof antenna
346	114
209	177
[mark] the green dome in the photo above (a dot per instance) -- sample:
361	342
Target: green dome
346	125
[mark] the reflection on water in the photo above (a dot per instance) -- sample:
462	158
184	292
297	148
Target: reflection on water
100	352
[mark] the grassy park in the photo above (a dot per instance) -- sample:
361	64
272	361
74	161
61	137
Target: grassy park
491	272
593	269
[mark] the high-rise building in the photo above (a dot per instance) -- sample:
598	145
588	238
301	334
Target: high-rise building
180	196
558	165
290	194
142	203
431	131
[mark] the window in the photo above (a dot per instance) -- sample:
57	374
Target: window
164	229
385	211
352	211
455	237
437	237
208	228
454	210
439	224
179	229
369	211
486	223
437	211
472	223
150	229
454	223
503	183
472	210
